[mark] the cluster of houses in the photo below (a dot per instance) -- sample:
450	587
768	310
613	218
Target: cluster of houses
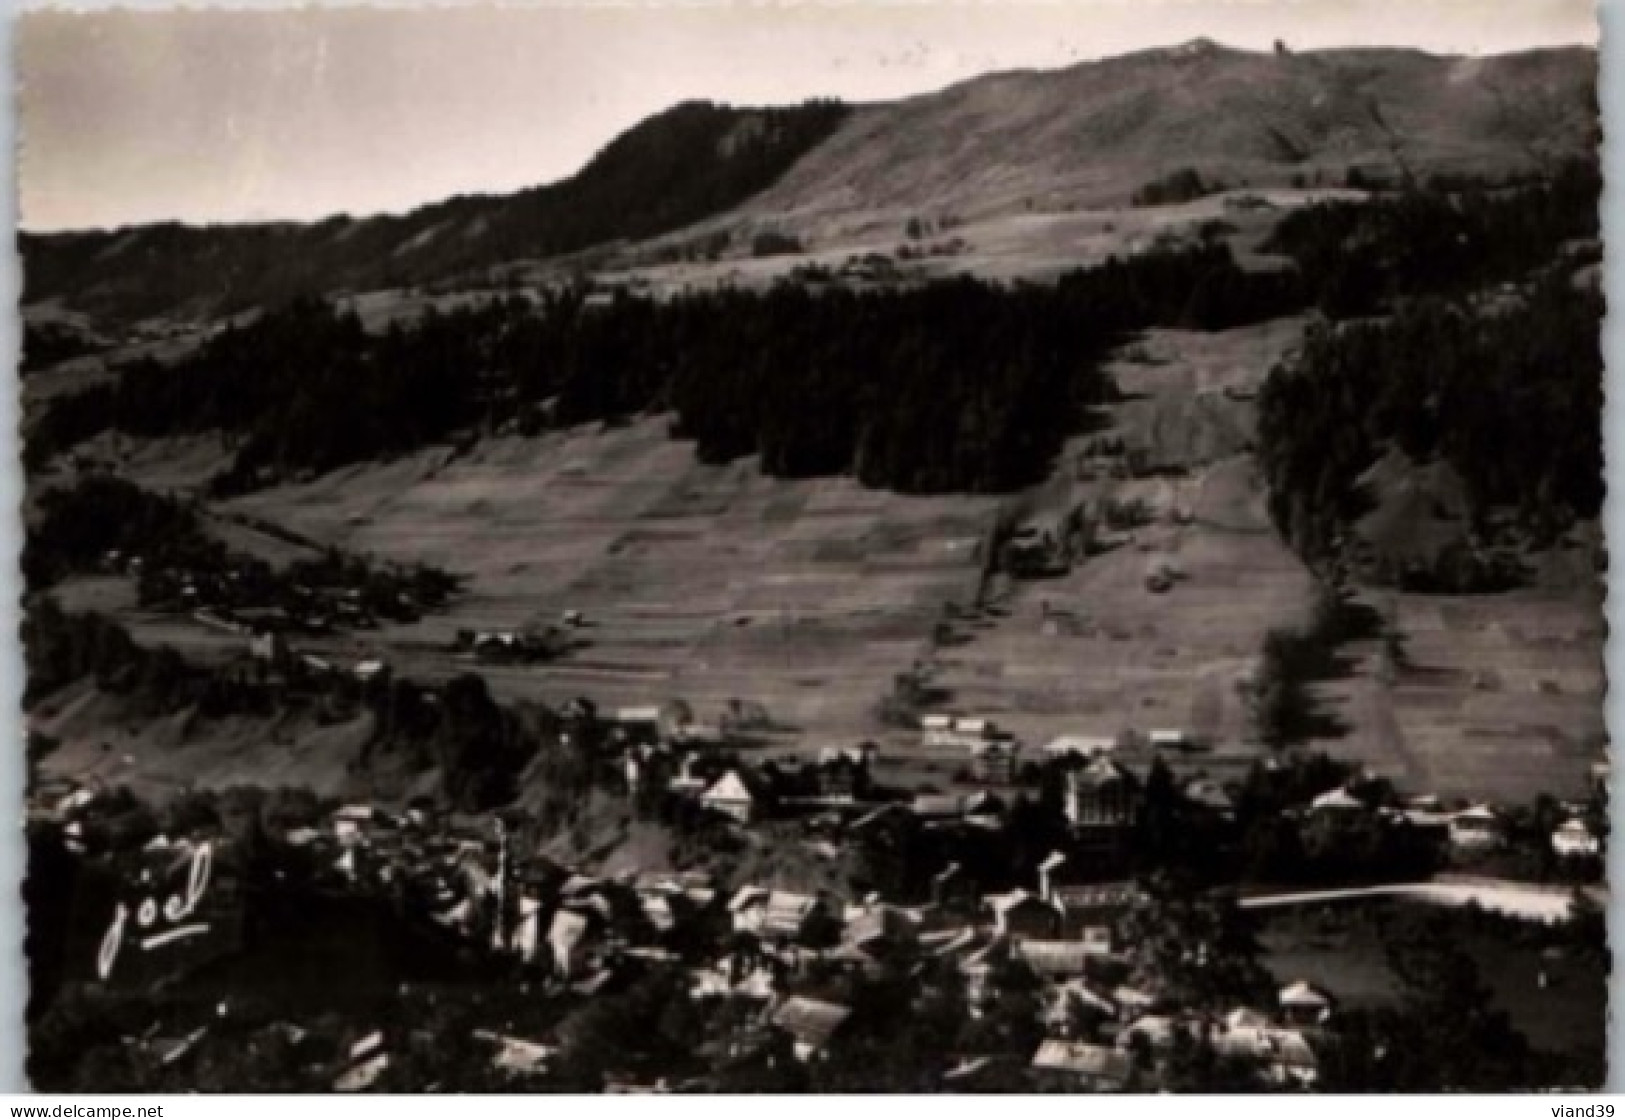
1468	830
759	945
523	645
771	947
1102	794
240	594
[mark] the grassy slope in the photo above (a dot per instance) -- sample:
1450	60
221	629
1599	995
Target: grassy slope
713	583
1093	133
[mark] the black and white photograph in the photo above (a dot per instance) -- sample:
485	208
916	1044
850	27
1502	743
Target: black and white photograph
741	548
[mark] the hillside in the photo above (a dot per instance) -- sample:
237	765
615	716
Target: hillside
706	178
1092	134
677	167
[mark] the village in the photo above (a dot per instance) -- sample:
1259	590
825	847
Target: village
1045	911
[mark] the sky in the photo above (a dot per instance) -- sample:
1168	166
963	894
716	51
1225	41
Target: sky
209	116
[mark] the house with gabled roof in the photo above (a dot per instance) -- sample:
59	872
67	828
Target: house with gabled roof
1081	1067
1305	1004
567	940
1058	960
1575	839
1082	747
1021	914
812	1024
787	915
734	795
1101	800
1283	1056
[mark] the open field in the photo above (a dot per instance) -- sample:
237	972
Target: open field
701	582
711	582
1095	651
1035	245
1501	698
714	583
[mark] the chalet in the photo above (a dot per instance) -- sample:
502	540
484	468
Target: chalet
812	1024
1169	739
1084	747
371	669
788	916
1283	1057
995	762
733	795
1246	1019
1207	797
864	754
525	938
351	822
1156	1033
1091	911
640	724
880	928
1304	1004
937	730
937	806
1038	548
1081	1066
1574	839
698	736
1338	801
1058	960
1479	829
775	915
567	940
517	1055
747	908
963	732
1132	1001
1020	915
268	646
841	776
1101	802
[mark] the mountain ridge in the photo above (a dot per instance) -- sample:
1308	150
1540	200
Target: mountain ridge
1010	142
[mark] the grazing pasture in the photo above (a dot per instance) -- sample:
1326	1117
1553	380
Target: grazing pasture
1498	697
708	583
804	600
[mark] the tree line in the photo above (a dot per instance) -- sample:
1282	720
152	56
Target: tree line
1510	399
1359	257
103	523
956	385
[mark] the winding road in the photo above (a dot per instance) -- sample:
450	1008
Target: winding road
1531	901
